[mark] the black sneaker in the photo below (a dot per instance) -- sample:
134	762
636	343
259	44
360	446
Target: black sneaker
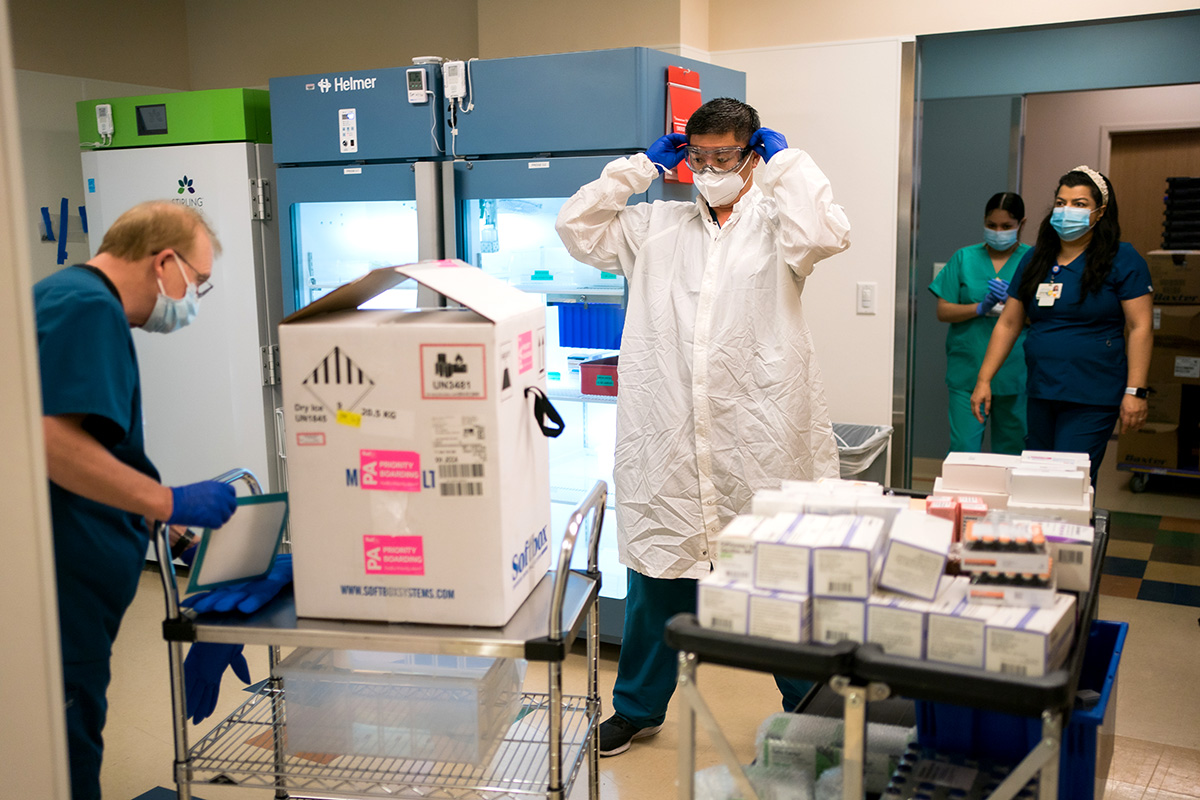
616	734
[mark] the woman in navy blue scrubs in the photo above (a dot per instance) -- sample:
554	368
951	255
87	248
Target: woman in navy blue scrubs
1089	301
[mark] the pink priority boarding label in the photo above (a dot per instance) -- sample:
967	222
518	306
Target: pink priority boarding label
394	555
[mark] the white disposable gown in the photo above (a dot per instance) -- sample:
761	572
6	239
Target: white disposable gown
721	394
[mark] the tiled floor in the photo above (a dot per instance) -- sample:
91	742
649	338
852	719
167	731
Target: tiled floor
1156	747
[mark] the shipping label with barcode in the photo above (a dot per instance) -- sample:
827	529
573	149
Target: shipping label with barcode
460	455
1069	556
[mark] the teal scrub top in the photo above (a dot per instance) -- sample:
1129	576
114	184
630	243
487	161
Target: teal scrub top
964	279
89	367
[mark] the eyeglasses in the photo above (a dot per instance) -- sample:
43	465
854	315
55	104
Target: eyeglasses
203	285
716	159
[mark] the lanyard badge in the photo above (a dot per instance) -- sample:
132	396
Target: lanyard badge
1047	293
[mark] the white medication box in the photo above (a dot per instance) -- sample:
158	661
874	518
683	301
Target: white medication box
1047	484
784	563
977	472
735	549
1074	513
993	500
846	561
838	620
1071	550
897	623
399	705
1031	642
782	616
955	631
915	555
417	469
722	605
1042	458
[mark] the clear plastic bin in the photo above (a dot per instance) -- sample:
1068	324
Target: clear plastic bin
859	448
399	705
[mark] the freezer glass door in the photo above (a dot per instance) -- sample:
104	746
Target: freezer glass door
514	239
336	242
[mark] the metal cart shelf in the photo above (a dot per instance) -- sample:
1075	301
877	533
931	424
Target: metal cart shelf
862	673
540	756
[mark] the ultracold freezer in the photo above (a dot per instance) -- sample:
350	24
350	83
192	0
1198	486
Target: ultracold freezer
209	395
529	132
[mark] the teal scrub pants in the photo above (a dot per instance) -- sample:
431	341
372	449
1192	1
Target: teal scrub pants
647	669
1007	418
84	692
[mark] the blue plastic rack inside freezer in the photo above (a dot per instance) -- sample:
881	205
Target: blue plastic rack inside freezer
601	101
305	111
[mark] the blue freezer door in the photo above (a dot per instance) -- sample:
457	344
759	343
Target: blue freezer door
339	222
597	101
307	115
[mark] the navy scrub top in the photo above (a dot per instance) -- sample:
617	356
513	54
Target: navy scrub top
89	366
1075	349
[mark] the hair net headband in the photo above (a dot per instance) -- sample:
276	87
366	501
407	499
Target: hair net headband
1097	179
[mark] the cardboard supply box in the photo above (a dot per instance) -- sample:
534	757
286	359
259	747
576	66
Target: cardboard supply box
1176	276
1155	444
1174	361
1177	322
418	473
1166	402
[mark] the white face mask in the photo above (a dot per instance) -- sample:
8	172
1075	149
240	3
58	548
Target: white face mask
170	314
721	188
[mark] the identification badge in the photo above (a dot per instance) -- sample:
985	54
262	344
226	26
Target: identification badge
1047	293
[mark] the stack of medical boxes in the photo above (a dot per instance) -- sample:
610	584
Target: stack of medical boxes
1170	439
835	561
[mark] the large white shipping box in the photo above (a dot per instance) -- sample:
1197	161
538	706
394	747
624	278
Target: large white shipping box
417	471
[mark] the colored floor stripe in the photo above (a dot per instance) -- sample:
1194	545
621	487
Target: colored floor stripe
1125	567
1176	593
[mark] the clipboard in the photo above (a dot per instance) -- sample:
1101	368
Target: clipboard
244	547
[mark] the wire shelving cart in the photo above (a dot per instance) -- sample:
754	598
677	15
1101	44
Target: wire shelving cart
861	674
540	756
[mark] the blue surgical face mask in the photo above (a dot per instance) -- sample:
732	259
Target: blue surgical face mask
1000	240
1071	223
170	314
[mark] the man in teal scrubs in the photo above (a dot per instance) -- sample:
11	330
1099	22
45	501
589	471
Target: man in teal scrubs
971	290
153	265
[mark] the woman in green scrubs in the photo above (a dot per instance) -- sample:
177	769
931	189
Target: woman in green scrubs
971	290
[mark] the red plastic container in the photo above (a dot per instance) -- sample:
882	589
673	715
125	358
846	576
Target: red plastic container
599	376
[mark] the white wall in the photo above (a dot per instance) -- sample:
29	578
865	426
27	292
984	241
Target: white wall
33	745
50	155
804	93
1063	129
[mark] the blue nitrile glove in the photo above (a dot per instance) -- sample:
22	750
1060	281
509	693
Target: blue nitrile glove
997	291
248	596
668	151
202	671
208	504
983	308
767	142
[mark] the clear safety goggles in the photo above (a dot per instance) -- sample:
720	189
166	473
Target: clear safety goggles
716	159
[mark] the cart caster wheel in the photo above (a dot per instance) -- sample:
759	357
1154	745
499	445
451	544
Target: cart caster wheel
1138	482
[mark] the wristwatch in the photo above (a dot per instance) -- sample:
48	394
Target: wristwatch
1136	391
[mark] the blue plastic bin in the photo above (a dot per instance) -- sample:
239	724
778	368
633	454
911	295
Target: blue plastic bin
1007	738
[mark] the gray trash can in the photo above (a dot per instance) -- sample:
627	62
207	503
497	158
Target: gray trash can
859	450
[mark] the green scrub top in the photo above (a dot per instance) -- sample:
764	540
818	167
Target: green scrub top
964	279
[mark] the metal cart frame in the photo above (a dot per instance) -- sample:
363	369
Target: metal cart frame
556	734
862	673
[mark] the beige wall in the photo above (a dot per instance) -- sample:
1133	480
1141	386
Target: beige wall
239	43
776	23
528	27
132	41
